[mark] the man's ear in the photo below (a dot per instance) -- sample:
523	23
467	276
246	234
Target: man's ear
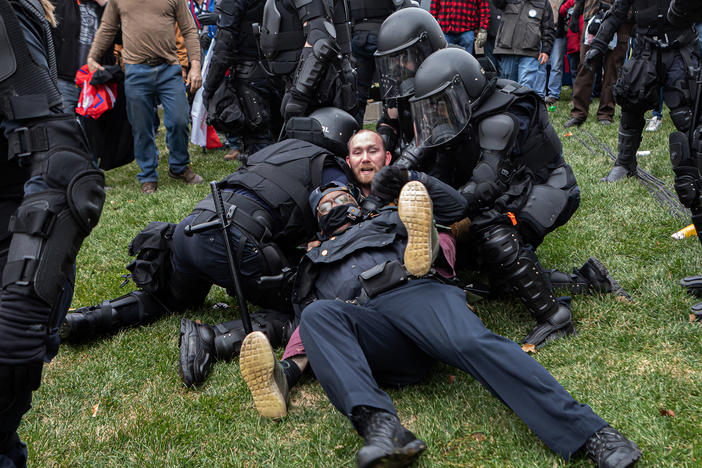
388	157
348	163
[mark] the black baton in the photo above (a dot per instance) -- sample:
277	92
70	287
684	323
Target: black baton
224	222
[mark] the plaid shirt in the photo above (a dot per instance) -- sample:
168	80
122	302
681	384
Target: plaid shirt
457	16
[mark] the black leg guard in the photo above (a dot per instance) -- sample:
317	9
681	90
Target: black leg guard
201	344
519	269
136	308
593	277
630	129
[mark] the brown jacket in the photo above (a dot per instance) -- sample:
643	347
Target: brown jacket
148	30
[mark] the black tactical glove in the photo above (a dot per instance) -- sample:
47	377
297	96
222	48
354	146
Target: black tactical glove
294	104
591	57
388	182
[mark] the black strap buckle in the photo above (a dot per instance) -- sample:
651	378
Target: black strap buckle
18	139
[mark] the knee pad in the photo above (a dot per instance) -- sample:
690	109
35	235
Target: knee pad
631	122
499	246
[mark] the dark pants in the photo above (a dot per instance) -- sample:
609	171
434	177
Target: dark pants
363	45
397	336
582	87
199	261
270	92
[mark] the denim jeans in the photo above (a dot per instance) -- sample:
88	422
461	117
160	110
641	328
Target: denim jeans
555	78
464	39
143	86
520	69
69	95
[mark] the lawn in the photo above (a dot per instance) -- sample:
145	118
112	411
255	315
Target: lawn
118	401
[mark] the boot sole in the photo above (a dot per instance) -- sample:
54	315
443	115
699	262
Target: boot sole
415	210
257	362
401	457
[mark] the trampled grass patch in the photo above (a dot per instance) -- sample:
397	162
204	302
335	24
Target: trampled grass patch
118	401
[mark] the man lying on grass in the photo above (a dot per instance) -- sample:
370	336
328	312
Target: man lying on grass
369	318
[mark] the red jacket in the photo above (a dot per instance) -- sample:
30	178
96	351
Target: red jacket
572	39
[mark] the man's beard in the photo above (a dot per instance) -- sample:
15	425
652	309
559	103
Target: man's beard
365	174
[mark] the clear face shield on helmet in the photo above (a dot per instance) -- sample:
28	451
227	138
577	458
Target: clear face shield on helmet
440	117
397	67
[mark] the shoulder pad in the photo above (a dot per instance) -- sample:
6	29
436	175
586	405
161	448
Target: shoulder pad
498	132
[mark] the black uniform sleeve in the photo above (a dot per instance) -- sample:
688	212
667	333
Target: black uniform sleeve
449	205
614	17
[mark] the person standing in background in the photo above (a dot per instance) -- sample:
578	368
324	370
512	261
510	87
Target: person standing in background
460	19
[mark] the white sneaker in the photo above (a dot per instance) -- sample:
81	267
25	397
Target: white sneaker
654	124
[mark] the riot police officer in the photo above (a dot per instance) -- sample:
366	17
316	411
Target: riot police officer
308	42
663	55
246	102
175	271
405	39
51	198
498	146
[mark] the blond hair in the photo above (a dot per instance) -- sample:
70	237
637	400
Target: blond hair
49	12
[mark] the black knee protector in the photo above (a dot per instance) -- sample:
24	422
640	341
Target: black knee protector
135	308
678	100
49	226
498	246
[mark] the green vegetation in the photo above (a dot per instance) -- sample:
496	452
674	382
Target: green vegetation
119	401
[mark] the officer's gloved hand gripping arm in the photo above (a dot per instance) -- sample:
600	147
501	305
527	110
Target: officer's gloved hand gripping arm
492	174
449	205
230	15
610	24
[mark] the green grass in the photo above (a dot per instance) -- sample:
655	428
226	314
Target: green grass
628	361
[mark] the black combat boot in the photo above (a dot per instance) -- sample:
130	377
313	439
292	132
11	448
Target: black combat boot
388	443
625	165
201	345
609	449
136	308
593	277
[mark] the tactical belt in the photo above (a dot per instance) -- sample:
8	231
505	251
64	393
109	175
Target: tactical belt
669	40
242	219
382	278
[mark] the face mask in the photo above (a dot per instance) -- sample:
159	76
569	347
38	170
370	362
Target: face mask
337	217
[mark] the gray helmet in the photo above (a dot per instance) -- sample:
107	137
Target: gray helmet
447	87
328	127
405	39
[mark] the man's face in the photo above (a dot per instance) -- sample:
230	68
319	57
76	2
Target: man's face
332	200
366	157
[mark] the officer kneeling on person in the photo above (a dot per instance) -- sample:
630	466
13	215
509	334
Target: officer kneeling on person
370	318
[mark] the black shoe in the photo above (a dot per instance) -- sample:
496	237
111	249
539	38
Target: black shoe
697	311
573	122
599	279
558	325
693	284
388	443
609	449
197	354
617	173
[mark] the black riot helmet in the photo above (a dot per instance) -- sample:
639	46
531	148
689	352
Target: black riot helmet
328	127
448	86
405	39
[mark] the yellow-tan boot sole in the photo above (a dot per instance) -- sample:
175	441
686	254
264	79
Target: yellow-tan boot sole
257	363
415	210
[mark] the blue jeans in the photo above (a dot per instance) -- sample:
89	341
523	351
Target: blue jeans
69	95
144	85
555	78
520	69
464	39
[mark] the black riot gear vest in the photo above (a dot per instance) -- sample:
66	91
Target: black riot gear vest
27	90
282	36
247	48
283	175
367	15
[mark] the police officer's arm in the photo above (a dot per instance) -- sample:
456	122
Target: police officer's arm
230	15
492	173
105	36
614	18
449	205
